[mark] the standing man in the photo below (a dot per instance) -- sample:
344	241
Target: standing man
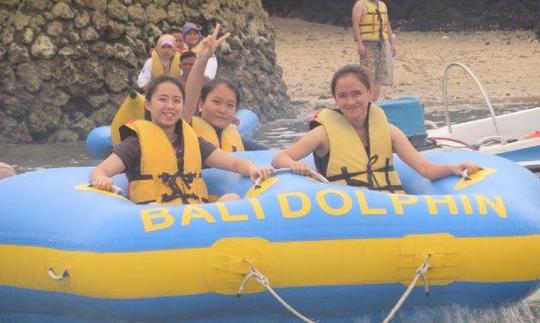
375	41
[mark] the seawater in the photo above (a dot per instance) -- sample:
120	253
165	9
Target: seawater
277	134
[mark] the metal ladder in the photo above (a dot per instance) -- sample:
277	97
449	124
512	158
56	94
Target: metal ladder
484	95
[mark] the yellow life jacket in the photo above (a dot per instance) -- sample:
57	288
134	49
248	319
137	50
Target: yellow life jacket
230	137
158	68
160	179
370	24
349	163
197	48
131	109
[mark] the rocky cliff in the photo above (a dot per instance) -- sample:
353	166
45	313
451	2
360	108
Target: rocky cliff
66	65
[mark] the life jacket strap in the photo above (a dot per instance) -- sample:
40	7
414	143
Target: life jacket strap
372	182
171	181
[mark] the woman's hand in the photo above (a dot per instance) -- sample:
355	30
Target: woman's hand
300	168
260	172
103	183
212	42
459	169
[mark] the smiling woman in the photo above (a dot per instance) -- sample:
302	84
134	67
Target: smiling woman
361	140
219	100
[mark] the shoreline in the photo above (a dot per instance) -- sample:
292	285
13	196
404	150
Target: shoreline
507	63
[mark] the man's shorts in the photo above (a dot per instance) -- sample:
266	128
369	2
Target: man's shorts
379	61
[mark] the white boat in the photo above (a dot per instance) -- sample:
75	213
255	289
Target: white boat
515	136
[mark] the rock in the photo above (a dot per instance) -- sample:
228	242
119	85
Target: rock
65	135
21	20
132	30
27	36
43	47
83	126
17	54
82	20
99	5
152	32
155	14
115	29
43	120
137	14
89	34
68	64
55	28
37	22
73	37
98	100
7	36
104	115
66	51
100	20
44	69
62	10
175	13
117	11
13	131
29	77
37	4
116	80
125	54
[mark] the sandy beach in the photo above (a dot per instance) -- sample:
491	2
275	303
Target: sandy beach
507	63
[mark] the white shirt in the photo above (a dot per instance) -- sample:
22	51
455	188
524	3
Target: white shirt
146	72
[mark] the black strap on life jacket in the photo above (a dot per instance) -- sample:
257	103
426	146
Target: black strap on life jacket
170	181
371	182
379	18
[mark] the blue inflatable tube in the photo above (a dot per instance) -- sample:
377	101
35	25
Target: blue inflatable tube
71	253
99	143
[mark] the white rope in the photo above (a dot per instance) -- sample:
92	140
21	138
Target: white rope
56	277
263	280
420	272
311	174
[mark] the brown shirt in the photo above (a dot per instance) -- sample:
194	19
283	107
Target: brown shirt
129	151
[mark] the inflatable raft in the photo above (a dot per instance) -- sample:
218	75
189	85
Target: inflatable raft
71	253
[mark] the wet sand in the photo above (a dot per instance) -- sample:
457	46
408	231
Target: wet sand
507	64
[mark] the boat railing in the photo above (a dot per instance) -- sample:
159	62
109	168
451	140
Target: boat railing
484	95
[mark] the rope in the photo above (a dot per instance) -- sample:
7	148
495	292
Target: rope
263	280
311	174
420	272
57	277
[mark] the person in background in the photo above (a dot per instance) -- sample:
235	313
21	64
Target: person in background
192	39
6	171
219	100
187	59
180	46
165	60
375	41
354	144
